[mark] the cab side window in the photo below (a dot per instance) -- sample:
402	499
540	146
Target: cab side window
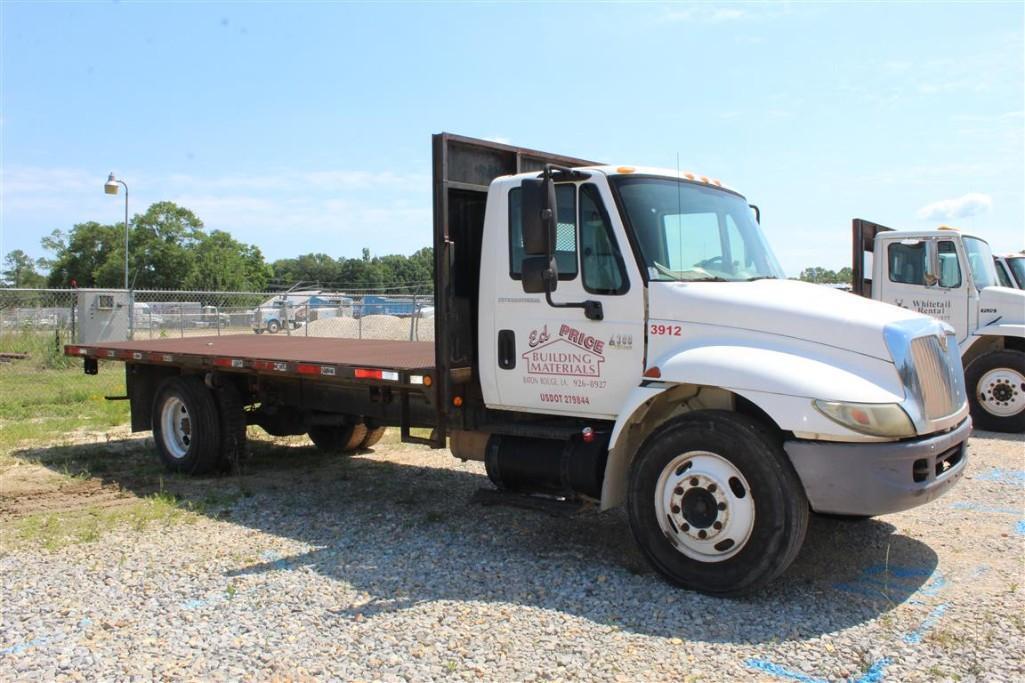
908	262
602	263
950	269
565	232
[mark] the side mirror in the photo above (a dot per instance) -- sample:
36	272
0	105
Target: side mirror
539	274
538	215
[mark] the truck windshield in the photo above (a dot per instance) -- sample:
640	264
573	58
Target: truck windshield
1017	264
980	260
693	233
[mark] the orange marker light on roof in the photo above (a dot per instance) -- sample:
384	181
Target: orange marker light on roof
625	169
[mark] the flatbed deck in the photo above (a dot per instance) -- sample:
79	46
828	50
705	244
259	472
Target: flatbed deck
279	355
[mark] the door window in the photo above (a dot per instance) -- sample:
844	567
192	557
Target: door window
601	260
565	232
908	262
950	269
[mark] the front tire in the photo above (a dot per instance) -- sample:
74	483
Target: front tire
273	326
996	381
187	426
714	503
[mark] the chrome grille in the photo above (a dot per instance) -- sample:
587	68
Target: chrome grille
938	367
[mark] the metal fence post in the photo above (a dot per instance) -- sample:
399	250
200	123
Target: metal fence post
131	314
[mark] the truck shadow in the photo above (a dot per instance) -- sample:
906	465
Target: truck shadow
407	534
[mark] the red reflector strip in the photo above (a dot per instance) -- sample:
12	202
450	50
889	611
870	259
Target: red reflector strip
307	369
111	353
136	355
270	365
374	373
162	357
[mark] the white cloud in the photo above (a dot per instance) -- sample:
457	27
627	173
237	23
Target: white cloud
971	204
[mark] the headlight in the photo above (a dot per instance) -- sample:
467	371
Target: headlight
876	419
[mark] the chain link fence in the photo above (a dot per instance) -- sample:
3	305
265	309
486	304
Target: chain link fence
35	324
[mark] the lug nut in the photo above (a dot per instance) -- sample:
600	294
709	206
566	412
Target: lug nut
712	488
721	506
693	481
678	490
685	526
717	525
702	534
676	509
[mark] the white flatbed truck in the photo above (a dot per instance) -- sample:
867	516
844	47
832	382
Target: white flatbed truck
615	334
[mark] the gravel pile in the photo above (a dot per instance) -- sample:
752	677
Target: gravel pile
373	327
380	567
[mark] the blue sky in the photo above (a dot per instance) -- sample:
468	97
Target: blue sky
305	127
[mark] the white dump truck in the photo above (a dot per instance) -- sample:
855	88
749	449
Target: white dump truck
950	275
612	334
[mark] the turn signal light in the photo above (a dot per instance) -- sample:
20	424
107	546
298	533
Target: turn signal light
653	373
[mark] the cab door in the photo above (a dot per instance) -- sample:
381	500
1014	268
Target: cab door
557	360
925	275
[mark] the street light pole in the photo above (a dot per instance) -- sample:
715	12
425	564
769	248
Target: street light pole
110	187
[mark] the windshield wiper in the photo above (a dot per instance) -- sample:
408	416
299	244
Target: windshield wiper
761	277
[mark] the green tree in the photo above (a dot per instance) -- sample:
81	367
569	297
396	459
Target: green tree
81	253
819	275
219	262
20	271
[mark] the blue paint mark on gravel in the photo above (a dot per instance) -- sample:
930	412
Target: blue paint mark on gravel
21	647
1002	476
975	507
873	674
930	621
1020	527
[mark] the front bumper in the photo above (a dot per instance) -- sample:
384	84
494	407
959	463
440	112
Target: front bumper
878	478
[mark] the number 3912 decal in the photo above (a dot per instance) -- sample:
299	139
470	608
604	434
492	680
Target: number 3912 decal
670	330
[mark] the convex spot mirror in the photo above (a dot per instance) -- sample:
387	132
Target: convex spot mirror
539	274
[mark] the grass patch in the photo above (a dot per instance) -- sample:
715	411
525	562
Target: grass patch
38	404
53	530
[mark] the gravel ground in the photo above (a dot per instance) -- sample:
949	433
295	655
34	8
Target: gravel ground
381	567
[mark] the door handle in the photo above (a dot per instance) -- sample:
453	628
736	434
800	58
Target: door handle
506	349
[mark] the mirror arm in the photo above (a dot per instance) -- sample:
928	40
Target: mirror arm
592	309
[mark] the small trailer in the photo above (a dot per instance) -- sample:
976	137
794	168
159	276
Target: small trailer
613	334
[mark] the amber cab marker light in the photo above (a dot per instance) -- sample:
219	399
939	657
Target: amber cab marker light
653	373
457	401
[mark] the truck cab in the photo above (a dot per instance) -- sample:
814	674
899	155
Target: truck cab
951	275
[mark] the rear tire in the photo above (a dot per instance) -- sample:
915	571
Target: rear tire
373	436
273	326
186	426
714	503
996	385
338	438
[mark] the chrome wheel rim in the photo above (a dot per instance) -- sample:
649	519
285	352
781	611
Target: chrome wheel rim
704	506
176	427
1001	392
